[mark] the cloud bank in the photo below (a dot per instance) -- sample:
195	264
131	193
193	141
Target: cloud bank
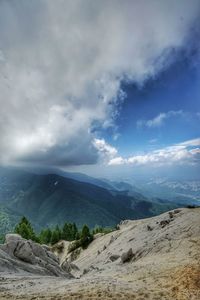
62	64
187	152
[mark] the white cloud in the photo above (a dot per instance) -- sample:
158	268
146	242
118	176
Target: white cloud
159	119
182	153
106	151
62	64
117	161
194	142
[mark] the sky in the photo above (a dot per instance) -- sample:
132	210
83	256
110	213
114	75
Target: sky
109	88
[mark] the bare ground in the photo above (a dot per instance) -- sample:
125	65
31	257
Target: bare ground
169	270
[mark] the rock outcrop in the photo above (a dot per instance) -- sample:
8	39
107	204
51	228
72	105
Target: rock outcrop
18	255
114	257
151	241
127	256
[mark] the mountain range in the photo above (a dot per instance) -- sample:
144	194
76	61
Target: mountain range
51	199
182	191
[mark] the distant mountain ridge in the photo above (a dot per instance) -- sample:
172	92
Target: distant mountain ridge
52	199
184	192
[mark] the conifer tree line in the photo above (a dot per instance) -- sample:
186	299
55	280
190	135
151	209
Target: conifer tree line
68	232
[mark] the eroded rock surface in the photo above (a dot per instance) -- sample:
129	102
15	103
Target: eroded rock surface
18	255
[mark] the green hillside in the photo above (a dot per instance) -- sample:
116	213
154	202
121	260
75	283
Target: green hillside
8	220
51	199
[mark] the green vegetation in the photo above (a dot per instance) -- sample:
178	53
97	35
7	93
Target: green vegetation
85	239
25	229
8	219
68	232
45	236
86	236
105	230
2	238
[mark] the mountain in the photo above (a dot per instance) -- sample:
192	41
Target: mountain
106	184
52	199
158	190
153	258
184	192
8	219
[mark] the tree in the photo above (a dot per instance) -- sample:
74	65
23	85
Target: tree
74	231
24	231
48	235
77	237
85	231
24	228
56	235
59	232
69	232
66	232
97	229
86	236
45	236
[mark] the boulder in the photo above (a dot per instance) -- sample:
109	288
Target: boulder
177	211
149	228
24	252
11	242
114	257
127	256
12	237
18	255
166	222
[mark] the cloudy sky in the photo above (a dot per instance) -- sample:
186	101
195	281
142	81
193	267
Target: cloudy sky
100	85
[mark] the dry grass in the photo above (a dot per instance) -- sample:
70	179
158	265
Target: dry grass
186	283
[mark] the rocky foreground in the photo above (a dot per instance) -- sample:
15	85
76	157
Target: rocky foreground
155	258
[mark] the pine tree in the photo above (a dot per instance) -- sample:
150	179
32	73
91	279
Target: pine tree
59	232
65	232
45	236
48	235
54	237
86	236
24	228
69	232
74	231
24	231
77	237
